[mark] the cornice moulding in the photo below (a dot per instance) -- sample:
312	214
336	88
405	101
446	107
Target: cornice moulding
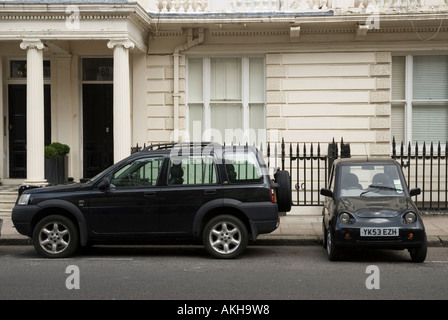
62	17
231	33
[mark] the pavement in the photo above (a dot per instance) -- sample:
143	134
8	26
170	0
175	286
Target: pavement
301	226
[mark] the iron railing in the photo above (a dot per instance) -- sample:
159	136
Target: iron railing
308	167
425	167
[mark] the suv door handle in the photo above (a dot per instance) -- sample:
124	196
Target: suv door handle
149	194
213	191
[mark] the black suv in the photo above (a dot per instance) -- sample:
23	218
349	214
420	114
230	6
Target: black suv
222	196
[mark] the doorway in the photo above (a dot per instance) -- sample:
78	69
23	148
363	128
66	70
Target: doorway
97	128
97	107
17	127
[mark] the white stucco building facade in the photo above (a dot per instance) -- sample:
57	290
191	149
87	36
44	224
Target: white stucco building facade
102	76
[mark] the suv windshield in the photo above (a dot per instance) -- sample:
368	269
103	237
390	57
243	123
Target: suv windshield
370	180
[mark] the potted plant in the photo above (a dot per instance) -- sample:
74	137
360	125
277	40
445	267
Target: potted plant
56	163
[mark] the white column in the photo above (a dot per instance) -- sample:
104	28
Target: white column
35	125
122	98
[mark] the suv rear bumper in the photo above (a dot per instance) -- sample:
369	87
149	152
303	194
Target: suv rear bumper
263	217
261	227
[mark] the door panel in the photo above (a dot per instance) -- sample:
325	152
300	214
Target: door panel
97	128
17	127
193	181
130	205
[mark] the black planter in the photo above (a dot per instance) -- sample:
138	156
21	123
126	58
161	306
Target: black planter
56	170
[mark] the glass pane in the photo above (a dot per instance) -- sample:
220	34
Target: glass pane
257	134
192	170
18	69
47	70
225	79
430	77
195	80
398	78
195	121
256	80
242	167
398	122
226	123
370	180
140	173
97	69
430	122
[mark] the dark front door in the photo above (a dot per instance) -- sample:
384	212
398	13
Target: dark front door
97	127
17	127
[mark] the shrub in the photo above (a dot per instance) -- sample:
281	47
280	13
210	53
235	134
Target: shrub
56	149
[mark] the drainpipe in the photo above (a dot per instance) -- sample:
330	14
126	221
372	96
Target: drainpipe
191	42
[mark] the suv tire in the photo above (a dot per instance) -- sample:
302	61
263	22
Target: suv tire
55	236
225	237
284	193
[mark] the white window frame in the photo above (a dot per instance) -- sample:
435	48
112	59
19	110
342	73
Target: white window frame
244	102
408	99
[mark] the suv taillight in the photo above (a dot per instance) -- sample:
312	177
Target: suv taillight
273	196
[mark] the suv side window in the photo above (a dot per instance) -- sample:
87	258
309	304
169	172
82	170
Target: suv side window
139	173
193	169
242	167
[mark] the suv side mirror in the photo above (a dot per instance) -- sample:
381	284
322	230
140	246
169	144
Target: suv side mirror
326	192
415	192
104	184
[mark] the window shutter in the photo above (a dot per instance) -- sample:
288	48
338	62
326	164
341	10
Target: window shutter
225	79
397	122
398	78
429	123
430	77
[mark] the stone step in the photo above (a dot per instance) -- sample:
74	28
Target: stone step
8	197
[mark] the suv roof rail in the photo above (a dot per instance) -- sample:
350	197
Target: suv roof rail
171	145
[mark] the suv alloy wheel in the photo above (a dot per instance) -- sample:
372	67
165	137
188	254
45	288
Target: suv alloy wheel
55	237
225	236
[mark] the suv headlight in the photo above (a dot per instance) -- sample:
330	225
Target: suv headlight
344	218
23	199
410	217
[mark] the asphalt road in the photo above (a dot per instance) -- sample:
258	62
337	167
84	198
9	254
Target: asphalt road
188	273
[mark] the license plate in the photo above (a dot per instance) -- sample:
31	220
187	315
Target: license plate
379	232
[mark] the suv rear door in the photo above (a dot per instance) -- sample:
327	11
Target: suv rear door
245	180
193	180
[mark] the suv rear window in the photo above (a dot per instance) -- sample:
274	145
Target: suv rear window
242	167
193	169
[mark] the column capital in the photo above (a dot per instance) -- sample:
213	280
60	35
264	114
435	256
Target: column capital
32	43
125	43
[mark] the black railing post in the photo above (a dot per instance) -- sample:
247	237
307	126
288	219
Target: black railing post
424	169
345	149
332	153
439	155
394	150
298	174
283	153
